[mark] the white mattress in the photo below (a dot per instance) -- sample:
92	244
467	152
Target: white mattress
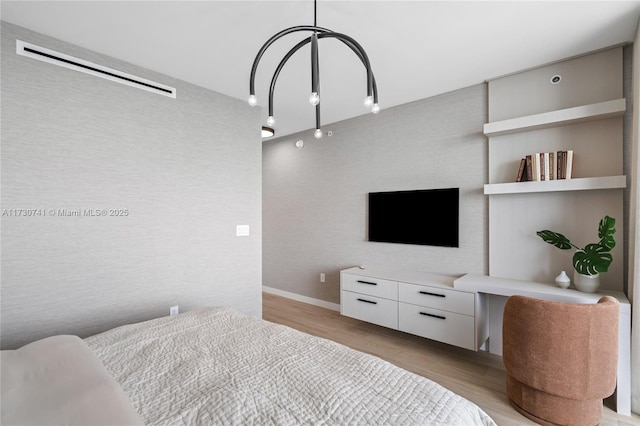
215	366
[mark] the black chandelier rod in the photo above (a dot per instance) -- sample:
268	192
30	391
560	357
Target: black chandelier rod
269	42
284	60
322	32
315	65
359	51
297	47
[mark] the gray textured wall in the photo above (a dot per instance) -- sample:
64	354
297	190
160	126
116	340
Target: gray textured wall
315	198
188	170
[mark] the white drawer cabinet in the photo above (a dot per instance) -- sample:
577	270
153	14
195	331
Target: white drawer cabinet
438	298
423	304
371	309
443	326
370	285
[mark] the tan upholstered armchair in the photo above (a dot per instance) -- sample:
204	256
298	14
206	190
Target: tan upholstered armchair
561	358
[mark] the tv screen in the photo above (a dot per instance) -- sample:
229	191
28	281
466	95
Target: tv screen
424	217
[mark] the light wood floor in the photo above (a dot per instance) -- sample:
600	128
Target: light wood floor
478	376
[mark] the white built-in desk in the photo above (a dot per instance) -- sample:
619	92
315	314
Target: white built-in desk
509	287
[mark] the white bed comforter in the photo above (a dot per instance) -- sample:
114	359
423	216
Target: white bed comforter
216	366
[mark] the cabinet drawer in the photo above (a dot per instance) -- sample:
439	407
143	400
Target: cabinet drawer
438	298
447	327
372	309
372	286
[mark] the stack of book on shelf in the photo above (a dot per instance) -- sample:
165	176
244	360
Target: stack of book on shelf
545	166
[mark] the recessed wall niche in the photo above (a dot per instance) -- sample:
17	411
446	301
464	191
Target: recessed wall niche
582	112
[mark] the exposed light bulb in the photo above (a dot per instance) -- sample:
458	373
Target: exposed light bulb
375	108
271	121
300	144
253	101
317	134
368	101
314	99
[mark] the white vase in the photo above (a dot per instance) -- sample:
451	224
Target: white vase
586	283
563	280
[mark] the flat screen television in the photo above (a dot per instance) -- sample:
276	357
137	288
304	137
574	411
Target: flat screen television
423	217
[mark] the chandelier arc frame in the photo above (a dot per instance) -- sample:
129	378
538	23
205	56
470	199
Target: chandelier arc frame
300	45
318	33
322	33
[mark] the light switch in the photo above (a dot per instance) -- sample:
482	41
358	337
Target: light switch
242	230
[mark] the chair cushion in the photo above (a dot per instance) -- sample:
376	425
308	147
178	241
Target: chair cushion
547	409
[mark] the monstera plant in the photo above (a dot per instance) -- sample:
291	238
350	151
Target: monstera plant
593	258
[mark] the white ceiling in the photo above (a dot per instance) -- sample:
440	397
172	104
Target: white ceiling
417	49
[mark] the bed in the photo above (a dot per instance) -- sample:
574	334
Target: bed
216	366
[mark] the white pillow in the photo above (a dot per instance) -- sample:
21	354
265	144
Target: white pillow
59	381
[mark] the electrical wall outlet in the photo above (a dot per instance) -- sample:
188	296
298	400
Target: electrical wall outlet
321	278
173	310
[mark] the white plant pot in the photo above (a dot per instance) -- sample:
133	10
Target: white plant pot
586	283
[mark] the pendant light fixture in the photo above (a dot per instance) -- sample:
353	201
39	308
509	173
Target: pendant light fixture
267	131
317	33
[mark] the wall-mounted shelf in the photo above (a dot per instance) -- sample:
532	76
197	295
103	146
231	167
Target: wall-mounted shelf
560	117
528	114
576	184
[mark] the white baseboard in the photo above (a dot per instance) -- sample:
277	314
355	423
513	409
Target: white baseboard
300	298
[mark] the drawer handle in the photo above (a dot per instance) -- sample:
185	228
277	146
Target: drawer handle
368	301
367	282
433	294
433	315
